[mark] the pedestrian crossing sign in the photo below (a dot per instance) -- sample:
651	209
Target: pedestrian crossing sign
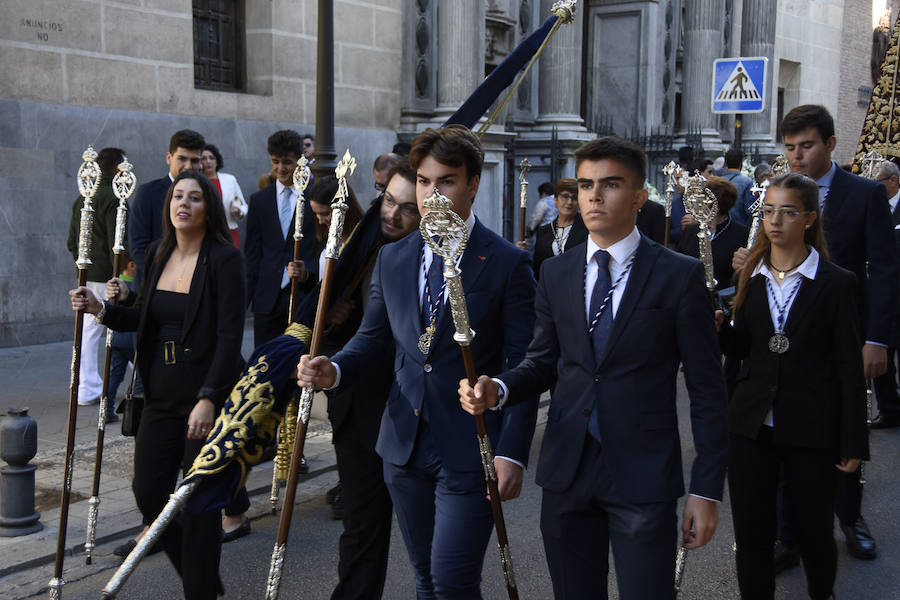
739	85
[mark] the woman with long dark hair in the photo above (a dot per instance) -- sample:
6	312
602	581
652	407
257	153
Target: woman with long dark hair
798	407
189	320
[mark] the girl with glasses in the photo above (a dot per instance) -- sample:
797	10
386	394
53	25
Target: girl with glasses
798	410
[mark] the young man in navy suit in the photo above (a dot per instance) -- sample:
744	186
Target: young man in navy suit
270	240
858	232
145	216
615	317
429	446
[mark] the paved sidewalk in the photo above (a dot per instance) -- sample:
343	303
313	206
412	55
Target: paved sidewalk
37	377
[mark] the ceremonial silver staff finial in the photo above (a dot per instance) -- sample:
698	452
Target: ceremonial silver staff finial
871	161
123	185
523	196
700	203
669	171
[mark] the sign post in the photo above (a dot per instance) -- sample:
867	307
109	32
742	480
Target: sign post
738	87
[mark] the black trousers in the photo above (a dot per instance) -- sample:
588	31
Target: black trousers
885	387
579	525
193	543
754	470
267	326
366	539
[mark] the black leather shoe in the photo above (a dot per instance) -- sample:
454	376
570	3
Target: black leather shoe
885	422
786	557
337	507
331	494
304	468
238	532
860	543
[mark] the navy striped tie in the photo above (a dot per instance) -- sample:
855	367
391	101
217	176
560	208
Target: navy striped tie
602	329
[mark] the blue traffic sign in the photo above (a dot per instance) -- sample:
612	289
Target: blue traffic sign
739	85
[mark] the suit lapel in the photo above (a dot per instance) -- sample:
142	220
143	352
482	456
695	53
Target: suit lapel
573	284
407	280
644	258
198	281
834	200
806	297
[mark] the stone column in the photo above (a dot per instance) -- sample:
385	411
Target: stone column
703	21
559	69
758	39
460	53
419	80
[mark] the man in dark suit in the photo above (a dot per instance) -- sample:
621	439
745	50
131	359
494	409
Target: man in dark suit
857	222
355	413
886	385
145	216
270	240
614	319
428	444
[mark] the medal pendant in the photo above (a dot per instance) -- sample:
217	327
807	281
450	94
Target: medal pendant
425	340
779	343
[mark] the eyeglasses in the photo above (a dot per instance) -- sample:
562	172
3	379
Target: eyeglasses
407	209
567	197
787	213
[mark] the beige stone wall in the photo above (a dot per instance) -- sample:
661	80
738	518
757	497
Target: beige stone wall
809	33
138	55
856	51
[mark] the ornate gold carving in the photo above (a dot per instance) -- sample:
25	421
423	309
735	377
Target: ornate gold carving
507	565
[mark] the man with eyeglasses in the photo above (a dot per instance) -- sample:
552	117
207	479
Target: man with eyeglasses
857	221
382	168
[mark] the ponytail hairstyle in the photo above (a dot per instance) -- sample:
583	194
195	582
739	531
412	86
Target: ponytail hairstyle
807	191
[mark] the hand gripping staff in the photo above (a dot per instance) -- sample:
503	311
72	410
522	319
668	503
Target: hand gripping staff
288	430
523	196
123	186
449	229
88	179
332	250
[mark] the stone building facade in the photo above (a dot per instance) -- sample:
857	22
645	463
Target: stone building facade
128	73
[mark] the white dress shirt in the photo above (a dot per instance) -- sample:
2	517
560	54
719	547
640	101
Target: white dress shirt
893	201
808	268
620	254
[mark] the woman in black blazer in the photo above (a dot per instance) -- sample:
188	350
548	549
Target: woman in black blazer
798	408
189	320
563	233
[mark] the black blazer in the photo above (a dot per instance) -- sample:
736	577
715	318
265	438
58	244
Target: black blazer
268	251
543	241
145	219
651	221
816	388
730	236
213	325
857	225
665	319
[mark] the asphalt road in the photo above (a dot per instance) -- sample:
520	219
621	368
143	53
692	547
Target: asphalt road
310	565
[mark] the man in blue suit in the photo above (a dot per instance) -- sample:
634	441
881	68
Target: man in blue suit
615	317
270	240
146	214
429	446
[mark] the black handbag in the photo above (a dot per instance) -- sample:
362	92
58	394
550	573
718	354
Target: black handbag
131	407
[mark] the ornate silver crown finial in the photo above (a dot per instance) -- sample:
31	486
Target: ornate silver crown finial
565	10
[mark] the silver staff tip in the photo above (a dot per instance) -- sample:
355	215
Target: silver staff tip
89	155
125	166
437	201
565	10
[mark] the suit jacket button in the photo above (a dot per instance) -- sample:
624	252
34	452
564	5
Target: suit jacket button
416	411
427	368
586	412
187	350
597	378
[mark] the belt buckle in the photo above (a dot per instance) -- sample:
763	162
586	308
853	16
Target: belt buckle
169	353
